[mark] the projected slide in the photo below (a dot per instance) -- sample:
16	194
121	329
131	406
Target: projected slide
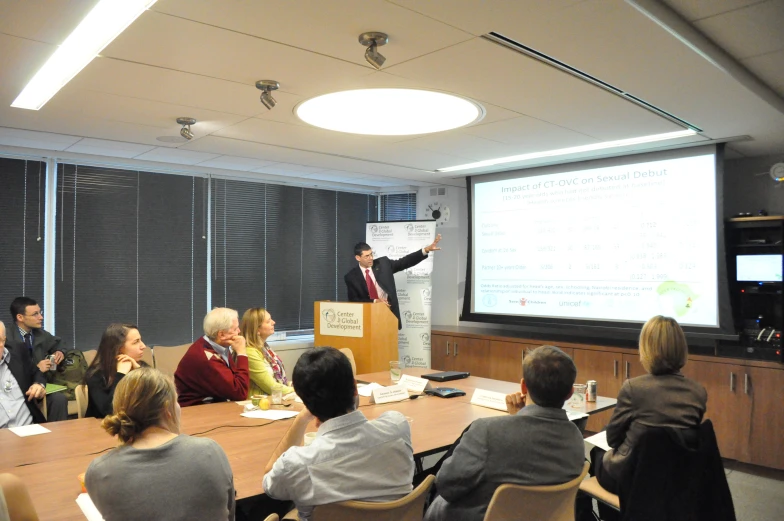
621	243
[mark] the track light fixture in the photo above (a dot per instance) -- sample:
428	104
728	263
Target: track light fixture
186	123
373	40
266	87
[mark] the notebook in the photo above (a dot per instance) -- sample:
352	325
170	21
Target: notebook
445	376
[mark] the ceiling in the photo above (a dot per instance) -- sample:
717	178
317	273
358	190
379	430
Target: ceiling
201	58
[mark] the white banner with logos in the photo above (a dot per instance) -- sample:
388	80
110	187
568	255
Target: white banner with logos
341	319
414	285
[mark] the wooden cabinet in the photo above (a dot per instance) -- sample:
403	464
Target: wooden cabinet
728	406
767	415
448	353
744	397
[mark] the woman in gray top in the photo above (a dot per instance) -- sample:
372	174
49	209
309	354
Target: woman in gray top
663	398
156	472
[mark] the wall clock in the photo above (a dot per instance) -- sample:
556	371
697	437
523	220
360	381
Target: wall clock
439	212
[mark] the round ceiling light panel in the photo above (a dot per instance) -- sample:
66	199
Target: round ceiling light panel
389	112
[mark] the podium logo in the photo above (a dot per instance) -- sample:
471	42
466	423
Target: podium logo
409	227
416	319
329	315
381	230
425	337
374	229
406	361
426	299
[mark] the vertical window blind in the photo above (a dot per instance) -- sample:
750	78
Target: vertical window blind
283	247
398	207
131	247
21	232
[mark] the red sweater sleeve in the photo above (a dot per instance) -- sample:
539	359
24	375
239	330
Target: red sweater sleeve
202	373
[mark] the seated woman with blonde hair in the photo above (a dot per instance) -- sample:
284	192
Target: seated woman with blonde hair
267	373
156	472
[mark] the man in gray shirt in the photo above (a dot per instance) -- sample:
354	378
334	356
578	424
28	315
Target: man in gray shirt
535	445
351	457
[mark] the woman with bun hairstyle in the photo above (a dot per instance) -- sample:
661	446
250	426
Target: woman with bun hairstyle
267	373
120	352
156	472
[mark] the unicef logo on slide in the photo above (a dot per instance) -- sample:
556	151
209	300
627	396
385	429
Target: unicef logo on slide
329	315
490	300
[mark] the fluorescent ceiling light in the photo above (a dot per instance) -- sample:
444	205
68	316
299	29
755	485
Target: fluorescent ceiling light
572	150
102	25
389	112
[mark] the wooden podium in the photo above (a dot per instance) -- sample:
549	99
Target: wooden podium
374	344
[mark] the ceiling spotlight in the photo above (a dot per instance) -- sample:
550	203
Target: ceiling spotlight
373	40
186	123
266	87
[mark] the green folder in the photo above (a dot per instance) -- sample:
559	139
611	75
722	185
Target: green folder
54	388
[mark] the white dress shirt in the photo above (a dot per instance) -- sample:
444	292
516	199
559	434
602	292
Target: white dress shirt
350	458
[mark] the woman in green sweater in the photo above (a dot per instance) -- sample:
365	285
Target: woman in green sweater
267	373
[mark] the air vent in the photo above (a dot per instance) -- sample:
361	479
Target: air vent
437	192
500	39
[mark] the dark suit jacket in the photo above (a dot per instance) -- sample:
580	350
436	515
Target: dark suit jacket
384	270
26	374
669	400
44	343
536	446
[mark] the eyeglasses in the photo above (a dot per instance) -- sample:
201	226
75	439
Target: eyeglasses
36	314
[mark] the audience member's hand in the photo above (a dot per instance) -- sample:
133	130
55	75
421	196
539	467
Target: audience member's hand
36	391
434	246
58	357
44	365
515	402
238	344
126	364
306	415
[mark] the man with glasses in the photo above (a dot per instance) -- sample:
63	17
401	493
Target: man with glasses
374	280
27	336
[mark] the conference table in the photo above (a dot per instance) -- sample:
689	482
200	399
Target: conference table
50	463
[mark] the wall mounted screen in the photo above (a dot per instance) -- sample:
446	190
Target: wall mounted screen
617	240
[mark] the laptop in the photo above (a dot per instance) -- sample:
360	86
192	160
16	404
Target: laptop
445	376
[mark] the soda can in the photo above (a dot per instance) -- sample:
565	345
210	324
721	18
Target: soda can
590	392
53	366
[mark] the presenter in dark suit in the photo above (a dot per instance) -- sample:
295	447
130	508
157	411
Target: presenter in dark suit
373	280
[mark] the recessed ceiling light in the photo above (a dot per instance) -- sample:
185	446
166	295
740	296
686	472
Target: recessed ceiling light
572	150
101	25
389	112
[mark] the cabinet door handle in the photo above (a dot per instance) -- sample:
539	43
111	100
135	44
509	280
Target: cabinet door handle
732	382
447	348
615	368
746	383
455	354
628	369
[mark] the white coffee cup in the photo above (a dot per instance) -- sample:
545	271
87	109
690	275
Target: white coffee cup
309	437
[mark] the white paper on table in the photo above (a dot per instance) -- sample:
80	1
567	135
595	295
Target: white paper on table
88	508
367	390
29	430
414	384
393	393
598	440
272	414
574	415
490	399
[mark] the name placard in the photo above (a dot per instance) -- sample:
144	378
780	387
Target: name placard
414	384
393	393
489	399
341	319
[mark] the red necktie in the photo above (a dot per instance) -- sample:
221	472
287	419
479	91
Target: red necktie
371	286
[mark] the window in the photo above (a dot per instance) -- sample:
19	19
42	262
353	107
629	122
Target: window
398	207
283	247
21	231
131	248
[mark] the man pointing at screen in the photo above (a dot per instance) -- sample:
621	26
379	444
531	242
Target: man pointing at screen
374	281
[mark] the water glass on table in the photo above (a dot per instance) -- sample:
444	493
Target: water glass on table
394	371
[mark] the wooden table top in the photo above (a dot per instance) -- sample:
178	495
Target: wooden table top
50	463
